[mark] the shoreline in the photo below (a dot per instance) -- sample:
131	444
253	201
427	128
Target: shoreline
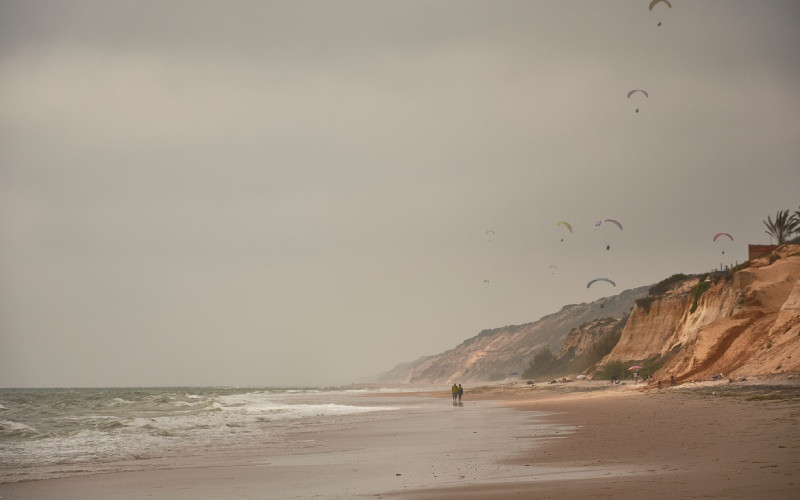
566	440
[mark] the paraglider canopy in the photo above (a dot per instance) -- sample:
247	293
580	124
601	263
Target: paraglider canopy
654	2
603	221
600	279
565	224
722	234
630	93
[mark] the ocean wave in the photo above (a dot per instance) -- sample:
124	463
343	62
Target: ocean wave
92	428
9	428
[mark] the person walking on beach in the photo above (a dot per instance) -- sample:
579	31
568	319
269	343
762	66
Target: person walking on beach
460	393
454	389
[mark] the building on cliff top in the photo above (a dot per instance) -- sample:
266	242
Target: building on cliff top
754	251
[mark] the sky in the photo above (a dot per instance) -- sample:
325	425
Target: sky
309	193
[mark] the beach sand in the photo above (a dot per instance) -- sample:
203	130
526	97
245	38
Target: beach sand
707	441
586	440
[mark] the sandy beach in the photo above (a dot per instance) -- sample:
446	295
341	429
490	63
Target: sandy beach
581	440
708	440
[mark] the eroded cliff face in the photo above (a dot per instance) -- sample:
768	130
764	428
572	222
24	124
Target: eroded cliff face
498	353
583	339
742	325
655	325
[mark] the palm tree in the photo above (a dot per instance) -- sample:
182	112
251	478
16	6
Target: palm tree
796	219
783	226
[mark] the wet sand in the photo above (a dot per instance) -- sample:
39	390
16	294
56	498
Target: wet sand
711	441
583	440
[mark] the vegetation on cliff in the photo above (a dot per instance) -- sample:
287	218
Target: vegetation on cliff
604	333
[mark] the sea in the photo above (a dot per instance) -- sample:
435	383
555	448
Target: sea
51	433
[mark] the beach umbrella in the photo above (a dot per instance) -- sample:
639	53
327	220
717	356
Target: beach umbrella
581	377
634	368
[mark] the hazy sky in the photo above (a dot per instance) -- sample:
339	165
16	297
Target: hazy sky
295	192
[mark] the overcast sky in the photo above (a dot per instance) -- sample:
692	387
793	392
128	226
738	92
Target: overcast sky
296	192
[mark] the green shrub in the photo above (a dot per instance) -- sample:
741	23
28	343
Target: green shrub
698	291
543	362
645	303
613	369
743	265
664	285
651	365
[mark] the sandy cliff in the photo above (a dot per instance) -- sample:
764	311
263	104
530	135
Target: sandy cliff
745	323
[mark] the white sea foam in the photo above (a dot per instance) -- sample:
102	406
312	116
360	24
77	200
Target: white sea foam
9	428
50	434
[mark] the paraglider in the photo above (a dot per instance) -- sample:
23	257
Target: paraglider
565	224
600	279
722	234
489	233
553	269
653	4
603	221
631	92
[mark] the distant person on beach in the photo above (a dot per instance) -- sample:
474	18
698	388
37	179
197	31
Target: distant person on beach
454	389
460	392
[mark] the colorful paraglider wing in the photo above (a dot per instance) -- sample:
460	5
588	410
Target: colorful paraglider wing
638	90
602	221
600	279
654	2
565	223
722	234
